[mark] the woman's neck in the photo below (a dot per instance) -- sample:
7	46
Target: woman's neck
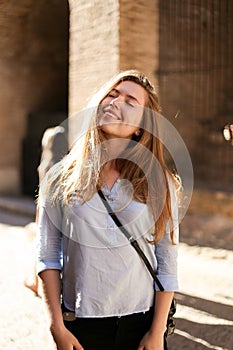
111	174
115	146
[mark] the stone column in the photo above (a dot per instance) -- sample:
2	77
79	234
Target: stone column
94	48
139	36
107	36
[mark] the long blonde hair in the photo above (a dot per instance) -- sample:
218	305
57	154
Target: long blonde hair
80	172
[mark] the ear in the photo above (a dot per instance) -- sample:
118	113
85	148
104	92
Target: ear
138	132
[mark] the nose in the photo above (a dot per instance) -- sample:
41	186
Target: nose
116	101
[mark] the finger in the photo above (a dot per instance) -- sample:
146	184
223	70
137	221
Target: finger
78	346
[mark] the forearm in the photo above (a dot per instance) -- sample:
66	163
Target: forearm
162	305
154	338
63	338
52	290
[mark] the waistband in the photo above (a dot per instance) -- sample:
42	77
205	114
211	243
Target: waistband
70	315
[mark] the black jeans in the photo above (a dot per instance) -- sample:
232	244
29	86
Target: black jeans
111	333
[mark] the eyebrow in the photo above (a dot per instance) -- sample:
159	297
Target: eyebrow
127	95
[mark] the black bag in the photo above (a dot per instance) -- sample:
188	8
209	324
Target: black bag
171	324
170	320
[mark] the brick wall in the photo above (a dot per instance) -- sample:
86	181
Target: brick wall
195	70
185	47
94	44
107	36
33	76
139	40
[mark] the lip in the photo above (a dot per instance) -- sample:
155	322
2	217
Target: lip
109	112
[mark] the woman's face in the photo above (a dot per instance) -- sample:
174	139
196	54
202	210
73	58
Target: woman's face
120	113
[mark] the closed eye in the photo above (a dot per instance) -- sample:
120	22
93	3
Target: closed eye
114	93
130	103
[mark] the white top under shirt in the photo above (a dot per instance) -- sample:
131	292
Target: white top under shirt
102	274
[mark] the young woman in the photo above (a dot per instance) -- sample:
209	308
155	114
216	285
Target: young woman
109	299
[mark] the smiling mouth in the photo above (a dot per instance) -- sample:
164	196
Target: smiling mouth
111	114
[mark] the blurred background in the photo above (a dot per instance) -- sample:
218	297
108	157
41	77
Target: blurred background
54	55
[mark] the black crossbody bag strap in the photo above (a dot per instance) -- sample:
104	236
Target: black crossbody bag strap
131	239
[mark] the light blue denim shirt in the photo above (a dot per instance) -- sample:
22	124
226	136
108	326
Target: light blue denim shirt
102	274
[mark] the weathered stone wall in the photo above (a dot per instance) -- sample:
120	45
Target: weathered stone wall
107	36
185	47
33	76
195	70
94	42
139	37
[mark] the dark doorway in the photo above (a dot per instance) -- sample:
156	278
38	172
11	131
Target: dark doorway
48	30
31	148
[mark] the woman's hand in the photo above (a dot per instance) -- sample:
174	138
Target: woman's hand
65	340
154	338
152	341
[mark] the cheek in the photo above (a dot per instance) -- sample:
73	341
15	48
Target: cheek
102	105
100	111
135	116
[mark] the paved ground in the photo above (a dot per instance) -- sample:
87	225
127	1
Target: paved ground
205	309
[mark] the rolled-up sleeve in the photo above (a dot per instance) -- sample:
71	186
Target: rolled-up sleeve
166	252
49	242
166	255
